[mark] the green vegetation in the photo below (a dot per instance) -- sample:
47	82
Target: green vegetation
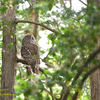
73	41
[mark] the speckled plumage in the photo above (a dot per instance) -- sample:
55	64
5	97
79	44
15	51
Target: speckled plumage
30	52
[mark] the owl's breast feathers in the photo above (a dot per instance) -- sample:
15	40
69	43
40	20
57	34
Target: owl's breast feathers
31	50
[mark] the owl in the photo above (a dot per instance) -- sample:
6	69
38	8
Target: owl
30	52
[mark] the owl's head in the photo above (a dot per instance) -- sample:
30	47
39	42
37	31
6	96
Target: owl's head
28	39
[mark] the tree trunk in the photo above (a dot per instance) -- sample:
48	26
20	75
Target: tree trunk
8	55
36	27
95	77
35	17
95	84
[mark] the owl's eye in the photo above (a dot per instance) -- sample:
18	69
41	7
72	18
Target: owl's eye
32	38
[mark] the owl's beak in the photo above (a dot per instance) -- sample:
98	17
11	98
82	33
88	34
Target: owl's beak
32	41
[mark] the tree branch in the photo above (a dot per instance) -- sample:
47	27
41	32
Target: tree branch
21	61
37	23
75	95
70	3
50	66
30	3
47	91
51	93
83	2
0	75
24	62
91	57
90	72
45	61
84	78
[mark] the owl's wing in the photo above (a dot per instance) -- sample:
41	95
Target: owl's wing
34	49
26	54
24	51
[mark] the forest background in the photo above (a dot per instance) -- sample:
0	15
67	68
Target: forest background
69	49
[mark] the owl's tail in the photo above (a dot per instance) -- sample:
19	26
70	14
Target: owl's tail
35	69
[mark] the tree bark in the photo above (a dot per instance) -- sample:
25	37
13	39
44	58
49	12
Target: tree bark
35	17
36	27
95	77
8	55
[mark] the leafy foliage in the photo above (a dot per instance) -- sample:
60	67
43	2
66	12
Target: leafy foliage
72	44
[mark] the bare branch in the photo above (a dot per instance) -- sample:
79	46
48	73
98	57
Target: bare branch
47	91
70	3
83	2
75	95
37	23
30	3
0	75
24	62
45	61
43	72
51	93
50	66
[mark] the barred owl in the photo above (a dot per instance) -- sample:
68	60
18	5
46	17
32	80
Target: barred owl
30	52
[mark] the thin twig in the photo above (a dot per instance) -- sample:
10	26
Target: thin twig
83	2
51	93
70	3
50	50
47	91
49	65
45	61
20	72
37	23
0	75
30	3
